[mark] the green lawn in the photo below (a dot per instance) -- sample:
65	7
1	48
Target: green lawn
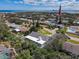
73	41
73	35
44	32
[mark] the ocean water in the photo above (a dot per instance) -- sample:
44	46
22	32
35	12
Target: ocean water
63	11
11	11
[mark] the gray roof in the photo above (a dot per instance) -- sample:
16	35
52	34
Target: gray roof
60	36
37	35
71	47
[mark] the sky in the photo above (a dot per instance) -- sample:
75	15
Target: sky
39	4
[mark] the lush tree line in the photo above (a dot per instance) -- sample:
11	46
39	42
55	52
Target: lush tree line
29	50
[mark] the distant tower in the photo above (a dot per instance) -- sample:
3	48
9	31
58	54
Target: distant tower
58	16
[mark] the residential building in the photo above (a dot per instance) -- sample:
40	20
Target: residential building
38	38
72	48
16	27
51	21
76	22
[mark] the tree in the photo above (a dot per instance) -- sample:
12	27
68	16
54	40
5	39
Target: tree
3	28
57	42
39	53
25	54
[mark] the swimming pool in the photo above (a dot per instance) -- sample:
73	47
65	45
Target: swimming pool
4	53
4	56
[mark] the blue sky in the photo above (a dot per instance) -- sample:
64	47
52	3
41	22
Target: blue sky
38	4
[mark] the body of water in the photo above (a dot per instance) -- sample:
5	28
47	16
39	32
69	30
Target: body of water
63	11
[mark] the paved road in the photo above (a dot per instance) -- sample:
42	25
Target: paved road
73	38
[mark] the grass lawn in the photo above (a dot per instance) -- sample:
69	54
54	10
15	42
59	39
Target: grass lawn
44	32
73	35
73	41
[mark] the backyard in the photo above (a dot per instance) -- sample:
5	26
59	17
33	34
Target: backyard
44	32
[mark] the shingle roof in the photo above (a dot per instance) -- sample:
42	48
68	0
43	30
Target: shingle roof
37	35
70	47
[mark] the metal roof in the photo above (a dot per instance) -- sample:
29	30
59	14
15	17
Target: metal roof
38	38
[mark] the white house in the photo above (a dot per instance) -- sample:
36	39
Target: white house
37	38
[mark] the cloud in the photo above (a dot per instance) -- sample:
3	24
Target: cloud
13	1
49	4
18	2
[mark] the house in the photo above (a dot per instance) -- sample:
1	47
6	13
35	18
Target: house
76	22
13	25
73	29
65	21
38	38
71	48
51	21
23	19
16	27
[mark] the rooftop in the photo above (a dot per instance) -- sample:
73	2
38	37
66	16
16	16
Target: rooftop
71	47
36	37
